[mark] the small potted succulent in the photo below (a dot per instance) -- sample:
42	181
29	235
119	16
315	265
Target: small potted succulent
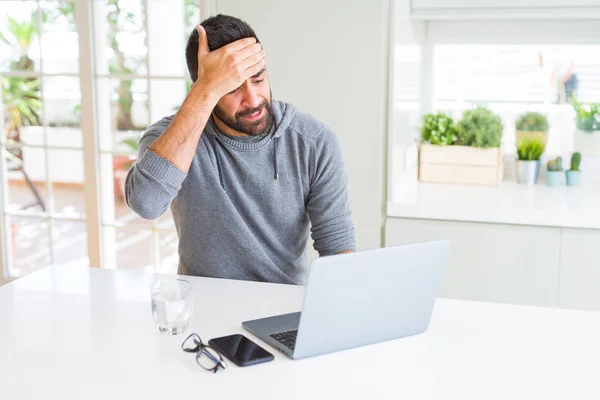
532	124
574	174
529	152
554	174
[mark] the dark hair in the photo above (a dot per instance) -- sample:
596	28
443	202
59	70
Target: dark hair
220	31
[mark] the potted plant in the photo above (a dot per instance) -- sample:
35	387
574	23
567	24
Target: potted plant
555	172
529	152
532	124
574	174
587	123
468	152
479	127
438	129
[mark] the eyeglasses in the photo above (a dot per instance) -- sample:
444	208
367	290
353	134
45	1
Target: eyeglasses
206	357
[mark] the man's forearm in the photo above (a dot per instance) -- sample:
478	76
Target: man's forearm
179	141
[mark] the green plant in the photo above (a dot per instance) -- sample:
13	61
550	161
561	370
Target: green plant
133	144
479	127
555	165
532	122
575	161
530	149
587	117
20	94
438	129
23	105
20	39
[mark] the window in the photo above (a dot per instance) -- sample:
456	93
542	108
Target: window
43	211
511	79
140	77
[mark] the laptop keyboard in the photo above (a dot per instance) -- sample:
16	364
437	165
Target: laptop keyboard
288	339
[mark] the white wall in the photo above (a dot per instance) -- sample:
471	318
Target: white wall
330	59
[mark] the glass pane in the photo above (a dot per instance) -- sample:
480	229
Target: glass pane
69	241
166	97
122	112
30	242
120	37
62	97
169	255
192	16
166	55
134	249
22	110
60	48
26	180
512	79
19	36
66	175
112	190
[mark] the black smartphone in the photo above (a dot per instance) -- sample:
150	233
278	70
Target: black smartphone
240	350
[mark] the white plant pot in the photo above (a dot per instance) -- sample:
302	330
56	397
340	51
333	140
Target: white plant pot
587	143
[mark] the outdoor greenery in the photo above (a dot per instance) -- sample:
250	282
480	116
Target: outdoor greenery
21	95
532	122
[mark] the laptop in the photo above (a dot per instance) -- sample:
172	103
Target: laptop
360	298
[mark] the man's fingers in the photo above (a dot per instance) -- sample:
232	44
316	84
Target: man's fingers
249	51
239	44
202	42
252	60
256	68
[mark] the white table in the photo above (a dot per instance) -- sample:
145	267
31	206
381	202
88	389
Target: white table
84	333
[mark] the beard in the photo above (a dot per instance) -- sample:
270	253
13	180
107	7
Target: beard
250	128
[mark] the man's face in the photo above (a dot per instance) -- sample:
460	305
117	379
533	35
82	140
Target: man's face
247	109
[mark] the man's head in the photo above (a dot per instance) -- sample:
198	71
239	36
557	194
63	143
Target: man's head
247	109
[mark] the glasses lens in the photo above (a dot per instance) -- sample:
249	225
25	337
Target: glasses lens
208	358
192	343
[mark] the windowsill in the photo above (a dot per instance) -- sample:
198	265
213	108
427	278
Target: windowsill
509	203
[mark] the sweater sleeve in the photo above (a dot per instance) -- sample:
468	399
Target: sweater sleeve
153	182
328	205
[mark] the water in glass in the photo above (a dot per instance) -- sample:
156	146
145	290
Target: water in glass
172	305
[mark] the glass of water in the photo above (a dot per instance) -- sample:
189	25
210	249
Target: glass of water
172	305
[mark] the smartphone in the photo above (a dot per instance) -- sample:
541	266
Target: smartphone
240	350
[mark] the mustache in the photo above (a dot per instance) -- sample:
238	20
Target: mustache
251	111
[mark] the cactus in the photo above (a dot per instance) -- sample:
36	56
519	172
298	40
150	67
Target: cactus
555	165
575	161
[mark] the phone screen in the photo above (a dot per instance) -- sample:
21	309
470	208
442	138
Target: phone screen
241	350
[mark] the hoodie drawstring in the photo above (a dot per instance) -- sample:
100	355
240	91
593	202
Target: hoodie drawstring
275	141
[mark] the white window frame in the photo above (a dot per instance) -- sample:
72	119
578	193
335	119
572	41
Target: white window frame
97	229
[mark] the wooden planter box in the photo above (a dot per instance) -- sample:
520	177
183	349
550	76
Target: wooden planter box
461	165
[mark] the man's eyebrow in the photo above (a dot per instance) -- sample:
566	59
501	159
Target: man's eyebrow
259	73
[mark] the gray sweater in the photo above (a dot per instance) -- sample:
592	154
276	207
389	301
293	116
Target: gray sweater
244	209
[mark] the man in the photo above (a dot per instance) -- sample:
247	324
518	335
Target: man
244	175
